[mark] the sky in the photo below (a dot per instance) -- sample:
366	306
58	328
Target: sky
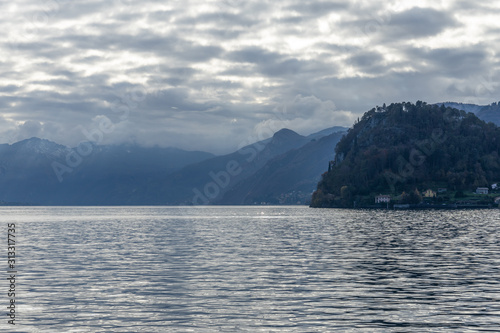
216	75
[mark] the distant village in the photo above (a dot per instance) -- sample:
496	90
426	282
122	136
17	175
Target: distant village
441	197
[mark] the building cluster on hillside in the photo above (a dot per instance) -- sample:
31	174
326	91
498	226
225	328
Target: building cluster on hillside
294	198
432	194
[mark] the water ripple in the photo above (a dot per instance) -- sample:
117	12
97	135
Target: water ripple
255	269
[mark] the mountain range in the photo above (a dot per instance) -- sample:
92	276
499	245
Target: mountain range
39	172
488	113
283	169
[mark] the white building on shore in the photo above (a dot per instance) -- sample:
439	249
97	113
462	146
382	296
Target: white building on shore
482	190
383	198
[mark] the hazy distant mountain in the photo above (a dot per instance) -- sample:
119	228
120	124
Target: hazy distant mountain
464	106
26	174
289	178
488	113
38	171
207	181
326	132
42	172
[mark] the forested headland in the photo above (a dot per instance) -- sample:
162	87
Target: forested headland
413	153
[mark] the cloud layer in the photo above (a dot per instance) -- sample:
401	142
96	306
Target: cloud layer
193	74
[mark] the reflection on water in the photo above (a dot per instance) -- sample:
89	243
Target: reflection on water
258	269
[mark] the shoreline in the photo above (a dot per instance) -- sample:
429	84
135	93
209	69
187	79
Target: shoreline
420	207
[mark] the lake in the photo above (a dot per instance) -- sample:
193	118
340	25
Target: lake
255	269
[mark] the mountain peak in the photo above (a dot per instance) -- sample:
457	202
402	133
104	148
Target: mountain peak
285	139
286	134
32	139
38	145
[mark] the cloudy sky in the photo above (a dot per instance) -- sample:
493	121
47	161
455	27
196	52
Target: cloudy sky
214	75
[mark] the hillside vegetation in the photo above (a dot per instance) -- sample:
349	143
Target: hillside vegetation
403	149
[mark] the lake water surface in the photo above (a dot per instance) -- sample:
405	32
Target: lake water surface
255	269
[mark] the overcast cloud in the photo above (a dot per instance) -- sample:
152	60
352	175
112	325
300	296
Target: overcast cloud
211	75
